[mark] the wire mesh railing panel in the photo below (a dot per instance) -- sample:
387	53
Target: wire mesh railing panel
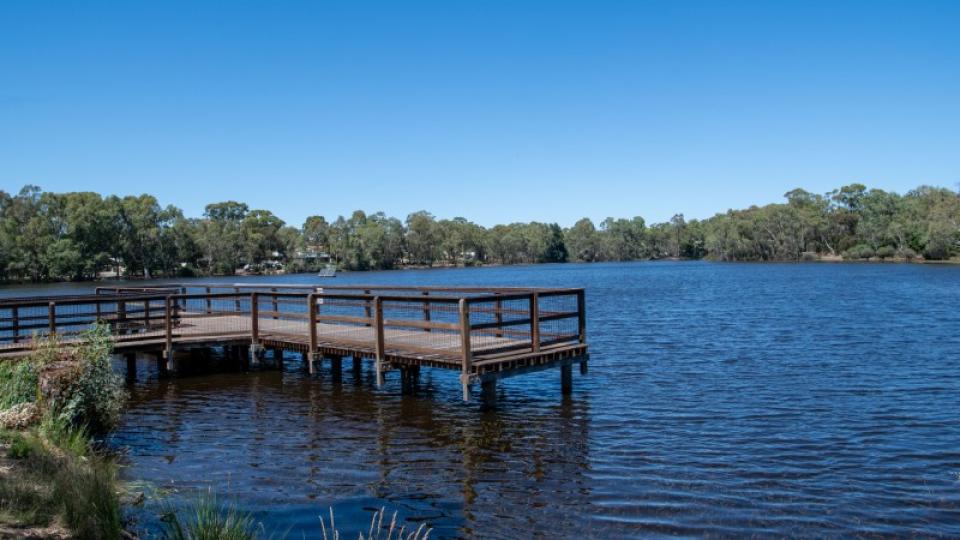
500	323
345	319
142	317
211	315
422	326
558	318
282	314
21	324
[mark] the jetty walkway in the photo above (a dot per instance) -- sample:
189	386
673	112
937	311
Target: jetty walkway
484	333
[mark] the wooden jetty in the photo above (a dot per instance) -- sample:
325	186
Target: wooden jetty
484	333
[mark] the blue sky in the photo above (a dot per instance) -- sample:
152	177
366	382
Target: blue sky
495	111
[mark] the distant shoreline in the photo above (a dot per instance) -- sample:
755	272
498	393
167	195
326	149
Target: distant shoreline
823	259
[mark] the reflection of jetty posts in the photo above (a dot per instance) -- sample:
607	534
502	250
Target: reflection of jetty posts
484	333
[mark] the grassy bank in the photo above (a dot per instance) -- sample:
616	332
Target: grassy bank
54	482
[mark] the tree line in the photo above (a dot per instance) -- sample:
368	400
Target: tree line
53	236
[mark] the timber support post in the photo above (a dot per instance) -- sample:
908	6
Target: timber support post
488	391
409	375
336	367
466	366
161	364
278	358
357	366
566	379
131	366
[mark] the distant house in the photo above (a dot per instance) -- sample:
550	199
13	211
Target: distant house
312	254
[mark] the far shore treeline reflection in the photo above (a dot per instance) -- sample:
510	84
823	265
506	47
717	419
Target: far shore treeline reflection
57	236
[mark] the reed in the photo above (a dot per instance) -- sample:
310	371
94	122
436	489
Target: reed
377	530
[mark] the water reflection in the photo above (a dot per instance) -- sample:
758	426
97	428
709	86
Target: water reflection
287	447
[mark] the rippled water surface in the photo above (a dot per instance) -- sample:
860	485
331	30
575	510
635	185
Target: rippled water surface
722	400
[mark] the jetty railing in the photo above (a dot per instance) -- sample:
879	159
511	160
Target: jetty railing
456	326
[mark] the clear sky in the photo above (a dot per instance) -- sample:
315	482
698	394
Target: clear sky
495	111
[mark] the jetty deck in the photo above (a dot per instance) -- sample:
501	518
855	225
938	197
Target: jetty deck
484	333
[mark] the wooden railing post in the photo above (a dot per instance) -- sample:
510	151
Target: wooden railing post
582	316
254	318
426	309
15	322
276	307
312	329
236	302
380	341
466	366
498	316
168	330
176	309
146	315
52	316
121	317
209	303
366	308
535	321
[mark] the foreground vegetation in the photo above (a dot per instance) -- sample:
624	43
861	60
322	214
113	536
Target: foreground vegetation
48	236
57	482
54	402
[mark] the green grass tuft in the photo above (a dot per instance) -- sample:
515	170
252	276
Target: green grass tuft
208	519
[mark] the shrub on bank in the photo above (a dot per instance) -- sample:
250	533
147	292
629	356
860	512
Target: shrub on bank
859	251
886	252
907	253
92	394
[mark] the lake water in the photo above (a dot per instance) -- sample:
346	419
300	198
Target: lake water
722	400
